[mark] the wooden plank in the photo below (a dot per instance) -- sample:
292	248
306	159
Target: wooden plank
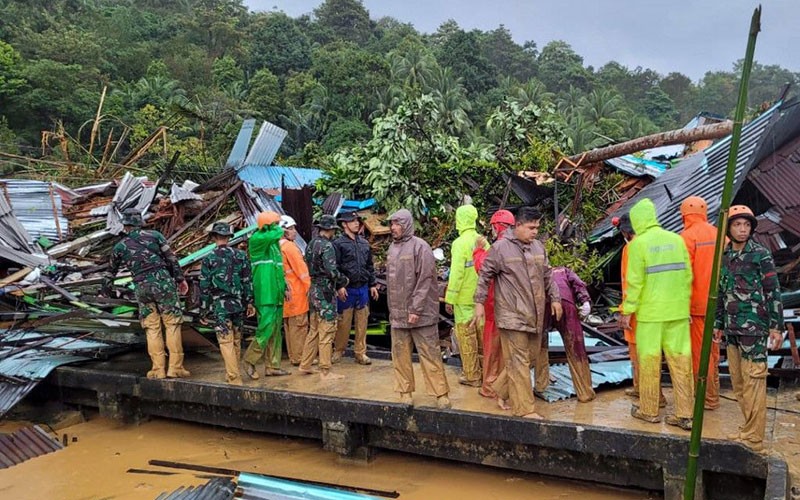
14	277
220	199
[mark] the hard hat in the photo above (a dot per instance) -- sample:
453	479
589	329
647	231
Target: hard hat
287	222
222	229
132	217
742	212
267	218
694	205
623	223
502	217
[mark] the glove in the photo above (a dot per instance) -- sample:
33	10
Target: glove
585	309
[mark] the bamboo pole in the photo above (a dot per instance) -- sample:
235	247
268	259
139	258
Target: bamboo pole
96	123
722	224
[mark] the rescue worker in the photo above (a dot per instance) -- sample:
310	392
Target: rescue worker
298	282
354	259
226	295
157	282
413	299
492	352
518	264
701	239
460	291
750	316
269	289
623	223
659	286
325	281
573	291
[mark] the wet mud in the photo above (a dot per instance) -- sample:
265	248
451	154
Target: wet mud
95	467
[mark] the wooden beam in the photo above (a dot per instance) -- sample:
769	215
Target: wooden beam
680	136
223	197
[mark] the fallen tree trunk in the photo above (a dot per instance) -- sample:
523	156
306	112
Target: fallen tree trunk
680	136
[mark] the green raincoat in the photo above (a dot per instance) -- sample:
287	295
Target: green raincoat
659	274
463	279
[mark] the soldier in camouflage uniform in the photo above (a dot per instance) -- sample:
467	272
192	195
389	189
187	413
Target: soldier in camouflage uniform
325	280
226	295
155	272
750	316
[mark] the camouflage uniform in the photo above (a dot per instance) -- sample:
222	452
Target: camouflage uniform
749	303
226	290
155	271
325	280
749	307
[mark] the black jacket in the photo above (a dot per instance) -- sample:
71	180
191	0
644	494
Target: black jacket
354	260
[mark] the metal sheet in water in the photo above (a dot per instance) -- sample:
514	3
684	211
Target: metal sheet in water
24	444
219	488
253	486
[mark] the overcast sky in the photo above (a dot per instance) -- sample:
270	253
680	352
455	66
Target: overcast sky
690	36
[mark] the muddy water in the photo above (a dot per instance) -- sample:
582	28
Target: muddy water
95	467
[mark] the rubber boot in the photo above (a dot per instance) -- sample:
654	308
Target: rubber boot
155	345
172	325
360	348
343	325
227	347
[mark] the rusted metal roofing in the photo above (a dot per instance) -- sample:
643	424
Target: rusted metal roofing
24	444
778	176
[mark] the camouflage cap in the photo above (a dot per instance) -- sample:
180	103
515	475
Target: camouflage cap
327	222
221	229
132	217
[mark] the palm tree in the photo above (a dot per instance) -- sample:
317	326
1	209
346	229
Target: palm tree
531	92
569	102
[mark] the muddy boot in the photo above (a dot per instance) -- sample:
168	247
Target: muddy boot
632	392
472	383
155	345
637	413
227	347
683	423
443	402
361	317
172	325
345	320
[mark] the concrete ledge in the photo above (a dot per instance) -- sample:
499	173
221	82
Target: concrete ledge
355	427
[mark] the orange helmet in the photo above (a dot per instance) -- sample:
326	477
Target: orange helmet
742	212
694	205
267	218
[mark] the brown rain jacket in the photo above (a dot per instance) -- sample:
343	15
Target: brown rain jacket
522	282
411	277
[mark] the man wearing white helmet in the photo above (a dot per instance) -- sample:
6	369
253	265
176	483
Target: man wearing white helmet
295	309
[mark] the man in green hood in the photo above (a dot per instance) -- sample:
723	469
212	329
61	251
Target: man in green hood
460	290
659	291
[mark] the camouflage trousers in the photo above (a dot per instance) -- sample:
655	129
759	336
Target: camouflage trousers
158	294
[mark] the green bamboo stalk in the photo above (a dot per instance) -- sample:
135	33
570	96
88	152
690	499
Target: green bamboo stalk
722	224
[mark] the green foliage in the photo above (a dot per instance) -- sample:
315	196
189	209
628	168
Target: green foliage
586	263
10	75
264	95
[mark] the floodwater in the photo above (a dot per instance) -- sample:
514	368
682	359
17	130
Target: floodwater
100	452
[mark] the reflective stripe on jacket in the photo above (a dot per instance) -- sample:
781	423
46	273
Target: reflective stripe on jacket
659	274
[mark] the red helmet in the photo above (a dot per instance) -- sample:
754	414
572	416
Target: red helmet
694	205
502	217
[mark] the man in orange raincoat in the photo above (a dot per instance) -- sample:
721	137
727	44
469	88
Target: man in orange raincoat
701	238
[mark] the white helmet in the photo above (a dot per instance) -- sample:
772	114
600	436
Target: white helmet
286	222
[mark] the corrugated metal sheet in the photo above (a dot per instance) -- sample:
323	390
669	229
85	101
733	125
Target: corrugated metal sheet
133	192
24	444
272	176
239	150
253	486
178	194
12	393
266	145
219	488
37	206
14	239
778	176
638	167
608	372
701	174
